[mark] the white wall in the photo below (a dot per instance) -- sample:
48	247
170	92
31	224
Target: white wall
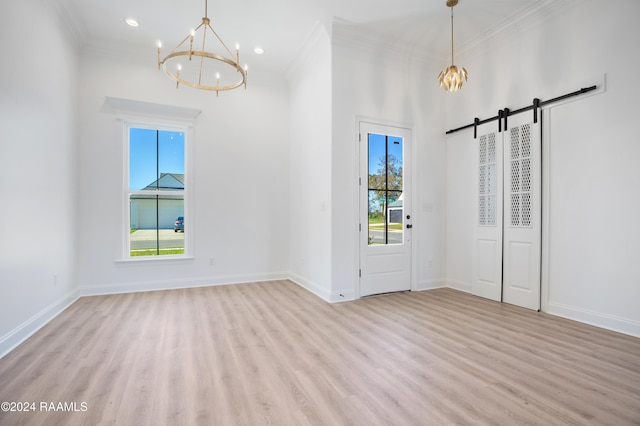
591	148
37	168
310	165
461	205
389	88
241	178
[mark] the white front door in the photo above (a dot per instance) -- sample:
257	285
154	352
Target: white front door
487	239
385	209
522	215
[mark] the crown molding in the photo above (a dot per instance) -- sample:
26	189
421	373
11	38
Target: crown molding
534	15
313	38
70	22
346	33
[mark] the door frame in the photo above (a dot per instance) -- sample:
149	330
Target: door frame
415	216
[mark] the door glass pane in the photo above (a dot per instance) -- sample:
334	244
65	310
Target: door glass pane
394	163
385	184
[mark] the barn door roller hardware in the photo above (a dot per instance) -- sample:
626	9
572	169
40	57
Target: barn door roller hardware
503	114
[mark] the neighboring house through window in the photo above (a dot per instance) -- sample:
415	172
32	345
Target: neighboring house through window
156	191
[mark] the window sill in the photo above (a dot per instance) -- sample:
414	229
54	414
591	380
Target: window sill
156	259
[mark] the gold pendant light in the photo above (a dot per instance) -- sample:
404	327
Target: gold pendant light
452	78
201	68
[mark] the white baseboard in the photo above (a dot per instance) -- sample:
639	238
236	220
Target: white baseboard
598	319
342	296
430	284
311	286
140	286
346	296
11	340
459	285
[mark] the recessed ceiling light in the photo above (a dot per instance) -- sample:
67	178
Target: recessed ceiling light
132	22
259	50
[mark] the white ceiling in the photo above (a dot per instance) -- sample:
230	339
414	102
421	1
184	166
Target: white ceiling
281	27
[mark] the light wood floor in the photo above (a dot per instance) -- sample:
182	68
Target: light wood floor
272	353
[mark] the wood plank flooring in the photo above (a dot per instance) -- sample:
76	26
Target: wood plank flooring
274	354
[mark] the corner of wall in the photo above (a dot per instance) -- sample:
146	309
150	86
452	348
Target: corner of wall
311	286
25	330
459	285
430	284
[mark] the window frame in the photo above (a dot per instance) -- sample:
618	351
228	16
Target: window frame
131	113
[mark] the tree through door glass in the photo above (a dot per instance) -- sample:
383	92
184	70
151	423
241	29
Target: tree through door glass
385	189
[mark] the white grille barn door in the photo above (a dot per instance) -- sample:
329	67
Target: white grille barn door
507	230
487	241
522	222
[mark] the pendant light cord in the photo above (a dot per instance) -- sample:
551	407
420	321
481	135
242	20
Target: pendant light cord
451	35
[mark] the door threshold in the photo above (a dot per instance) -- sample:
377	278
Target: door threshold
385	294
